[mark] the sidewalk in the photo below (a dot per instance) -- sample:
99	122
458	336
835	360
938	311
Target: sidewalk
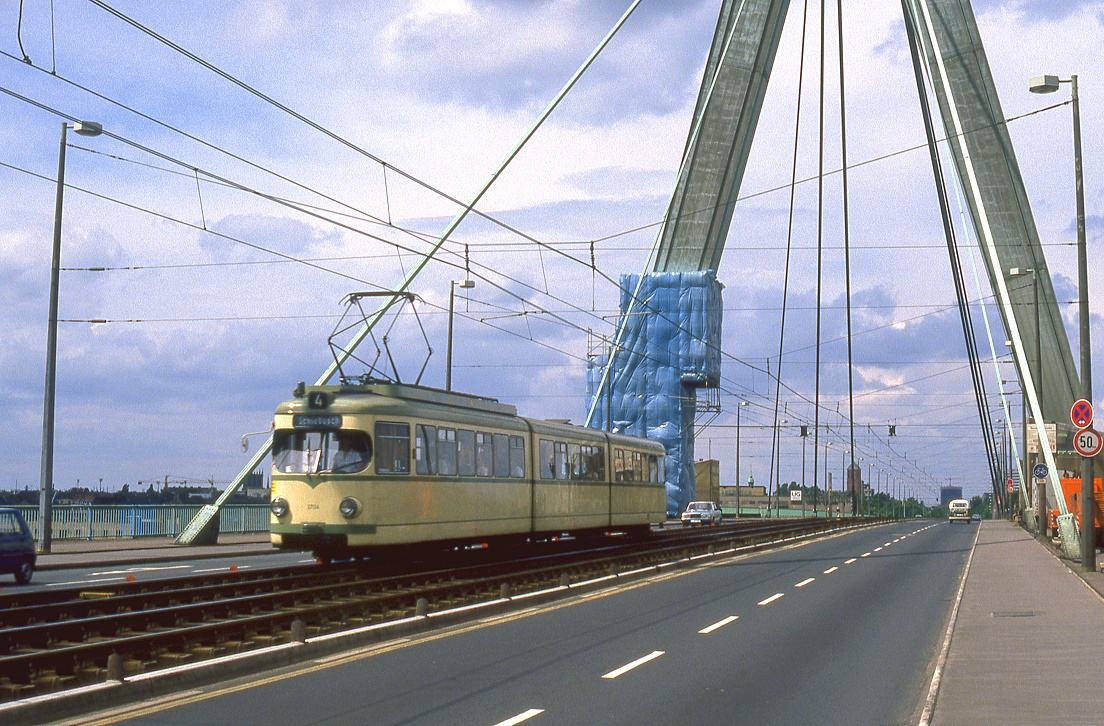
69	553
1028	644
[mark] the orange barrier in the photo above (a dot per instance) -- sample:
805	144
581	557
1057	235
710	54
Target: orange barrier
1071	490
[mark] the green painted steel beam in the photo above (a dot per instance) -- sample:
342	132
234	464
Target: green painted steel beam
716	153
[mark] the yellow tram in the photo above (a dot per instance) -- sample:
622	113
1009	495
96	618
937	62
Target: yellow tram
357	468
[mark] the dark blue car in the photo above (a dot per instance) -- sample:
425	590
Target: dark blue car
17	547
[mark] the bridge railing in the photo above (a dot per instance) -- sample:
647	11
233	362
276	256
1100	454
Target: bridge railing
106	521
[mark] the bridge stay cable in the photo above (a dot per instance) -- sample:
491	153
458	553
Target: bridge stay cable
958	280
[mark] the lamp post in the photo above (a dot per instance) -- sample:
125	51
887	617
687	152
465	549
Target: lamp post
46	478
465	285
1050	84
738	409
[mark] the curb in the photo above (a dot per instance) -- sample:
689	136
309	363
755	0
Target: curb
133	560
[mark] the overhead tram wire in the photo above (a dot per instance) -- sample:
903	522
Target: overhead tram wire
297	207
289	258
412	252
285	256
292	205
535	241
313	124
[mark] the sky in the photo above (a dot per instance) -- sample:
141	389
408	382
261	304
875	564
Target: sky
219	300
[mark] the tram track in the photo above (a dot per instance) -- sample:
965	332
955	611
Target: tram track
66	639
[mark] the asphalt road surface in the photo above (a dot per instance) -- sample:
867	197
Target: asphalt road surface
839	631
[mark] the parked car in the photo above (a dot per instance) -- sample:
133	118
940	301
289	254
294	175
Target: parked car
17	547
703	513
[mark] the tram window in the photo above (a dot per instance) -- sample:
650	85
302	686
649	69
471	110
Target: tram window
574	462
425	449
594	464
661	468
547	461
484	456
501	455
638	467
619	465
352	454
465	452
446	452
321	452
517	457
392	448
561	461
653	469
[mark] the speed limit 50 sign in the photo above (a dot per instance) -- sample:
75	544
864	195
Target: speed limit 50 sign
1087	442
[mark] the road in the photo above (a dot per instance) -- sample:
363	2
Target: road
839	631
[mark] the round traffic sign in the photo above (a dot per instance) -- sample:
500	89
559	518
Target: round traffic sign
1081	413
1011	486
1087	442
1040	471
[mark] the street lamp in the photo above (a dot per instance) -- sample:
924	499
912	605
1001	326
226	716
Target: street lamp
465	285
46	478
738	409
1049	84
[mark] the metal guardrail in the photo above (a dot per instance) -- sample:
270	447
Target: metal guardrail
106	521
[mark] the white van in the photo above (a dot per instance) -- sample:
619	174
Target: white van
959	511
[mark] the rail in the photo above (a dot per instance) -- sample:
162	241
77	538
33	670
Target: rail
113	521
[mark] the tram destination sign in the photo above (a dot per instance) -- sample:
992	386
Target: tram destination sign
316	421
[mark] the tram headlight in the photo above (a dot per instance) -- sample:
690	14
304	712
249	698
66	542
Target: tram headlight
279	506
348	507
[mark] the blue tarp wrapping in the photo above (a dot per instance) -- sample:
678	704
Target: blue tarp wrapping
671	345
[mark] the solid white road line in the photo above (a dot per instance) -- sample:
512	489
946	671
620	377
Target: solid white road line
523	716
805	582
853	559
223	569
719	624
629	666
830	570
132	570
771	599
85	582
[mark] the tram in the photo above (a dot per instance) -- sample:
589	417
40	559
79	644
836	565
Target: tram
365	468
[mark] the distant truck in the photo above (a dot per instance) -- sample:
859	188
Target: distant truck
959	511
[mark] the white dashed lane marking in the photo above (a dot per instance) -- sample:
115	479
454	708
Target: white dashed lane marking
830	570
877	549
865	554
719	624
853	559
636	663
771	599
805	582
523	716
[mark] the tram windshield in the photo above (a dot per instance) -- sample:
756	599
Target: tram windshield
321	452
